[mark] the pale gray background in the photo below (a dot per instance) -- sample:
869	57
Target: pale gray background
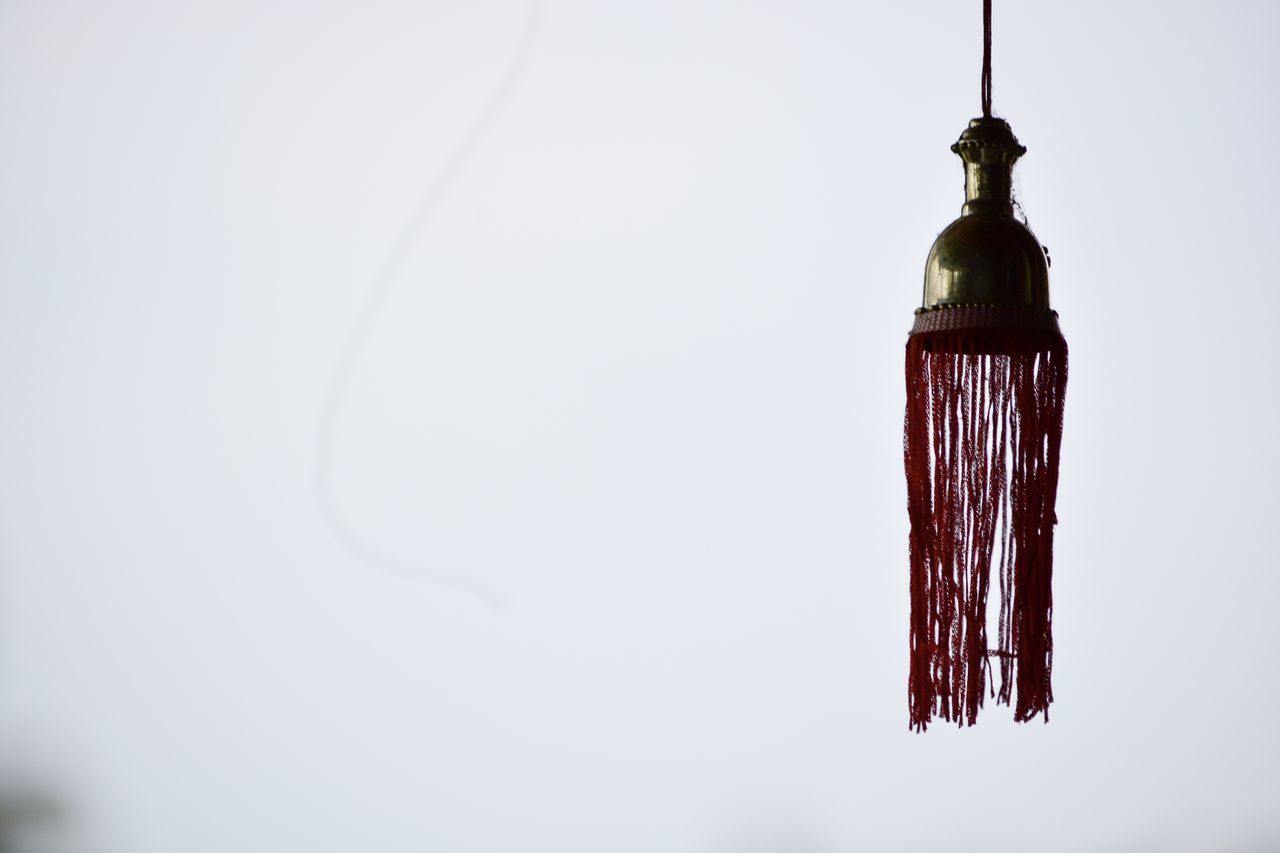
641	376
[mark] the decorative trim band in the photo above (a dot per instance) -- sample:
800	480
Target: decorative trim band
951	318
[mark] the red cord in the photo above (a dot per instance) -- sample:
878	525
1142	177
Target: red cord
986	58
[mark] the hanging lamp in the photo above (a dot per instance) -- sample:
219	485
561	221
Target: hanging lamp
986	374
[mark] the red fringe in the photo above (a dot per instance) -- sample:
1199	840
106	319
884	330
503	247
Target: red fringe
981	444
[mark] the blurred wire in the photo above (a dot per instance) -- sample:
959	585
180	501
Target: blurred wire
380	290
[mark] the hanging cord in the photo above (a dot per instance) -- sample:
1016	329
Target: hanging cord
986	58
379	294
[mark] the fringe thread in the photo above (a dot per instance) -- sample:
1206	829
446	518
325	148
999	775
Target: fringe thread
981	444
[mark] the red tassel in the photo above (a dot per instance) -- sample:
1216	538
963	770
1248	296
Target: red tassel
982	438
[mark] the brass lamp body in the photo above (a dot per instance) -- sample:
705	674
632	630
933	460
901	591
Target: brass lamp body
987	257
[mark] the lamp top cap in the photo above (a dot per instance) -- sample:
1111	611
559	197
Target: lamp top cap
988	140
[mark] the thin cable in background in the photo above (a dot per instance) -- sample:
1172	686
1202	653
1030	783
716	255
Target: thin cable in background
380	290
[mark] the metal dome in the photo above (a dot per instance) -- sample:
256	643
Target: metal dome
987	257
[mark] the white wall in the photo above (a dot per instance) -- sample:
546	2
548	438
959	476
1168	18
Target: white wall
640	376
